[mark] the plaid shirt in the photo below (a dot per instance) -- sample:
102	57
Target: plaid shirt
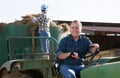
43	21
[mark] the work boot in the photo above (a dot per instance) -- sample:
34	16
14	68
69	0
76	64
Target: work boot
46	57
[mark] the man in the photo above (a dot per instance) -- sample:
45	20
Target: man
70	64
44	29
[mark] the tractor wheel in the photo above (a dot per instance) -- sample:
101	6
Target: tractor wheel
3	72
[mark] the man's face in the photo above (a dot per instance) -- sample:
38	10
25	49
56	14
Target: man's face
75	29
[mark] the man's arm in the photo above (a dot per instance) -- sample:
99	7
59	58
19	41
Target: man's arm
63	55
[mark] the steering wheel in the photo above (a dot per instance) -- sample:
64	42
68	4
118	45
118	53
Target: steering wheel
85	61
91	57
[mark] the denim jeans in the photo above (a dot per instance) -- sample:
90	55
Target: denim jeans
70	71
45	43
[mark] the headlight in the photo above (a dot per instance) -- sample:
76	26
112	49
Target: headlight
16	66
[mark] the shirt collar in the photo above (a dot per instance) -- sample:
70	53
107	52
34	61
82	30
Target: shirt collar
73	38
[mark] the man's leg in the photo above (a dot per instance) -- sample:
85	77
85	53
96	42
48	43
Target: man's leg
67	72
45	43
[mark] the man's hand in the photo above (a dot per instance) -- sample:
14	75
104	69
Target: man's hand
95	47
74	55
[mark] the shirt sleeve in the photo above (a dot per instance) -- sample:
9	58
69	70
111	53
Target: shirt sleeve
89	43
61	47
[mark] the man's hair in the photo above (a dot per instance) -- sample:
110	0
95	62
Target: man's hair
78	22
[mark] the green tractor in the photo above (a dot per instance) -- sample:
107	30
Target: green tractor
28	62
23	58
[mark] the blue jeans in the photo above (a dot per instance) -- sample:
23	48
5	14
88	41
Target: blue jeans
70	71
45	43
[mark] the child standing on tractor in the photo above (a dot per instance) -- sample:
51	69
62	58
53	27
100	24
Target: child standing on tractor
44	24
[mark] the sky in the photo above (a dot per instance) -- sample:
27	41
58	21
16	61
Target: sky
83	10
